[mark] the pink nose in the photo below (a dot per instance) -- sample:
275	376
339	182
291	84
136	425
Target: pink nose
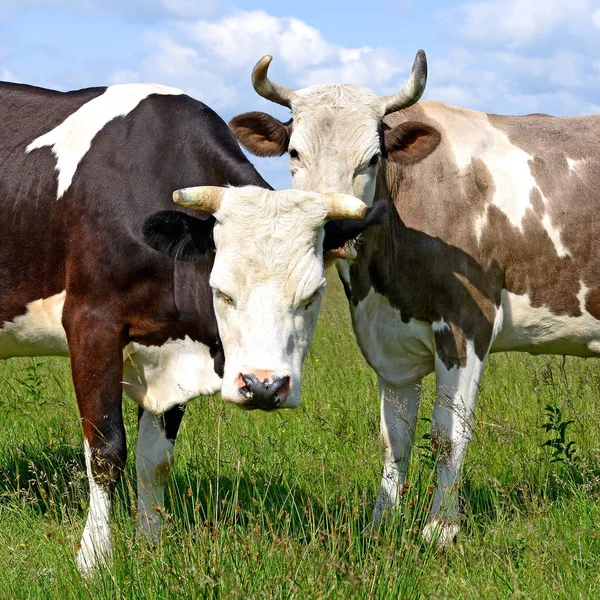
263	389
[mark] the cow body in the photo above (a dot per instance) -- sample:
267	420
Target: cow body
80	172
491	244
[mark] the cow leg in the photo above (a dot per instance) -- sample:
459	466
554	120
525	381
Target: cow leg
96	351
399	407
154	459
457	386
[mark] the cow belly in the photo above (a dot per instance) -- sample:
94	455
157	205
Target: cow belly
539	331
398	352
160	377
38	332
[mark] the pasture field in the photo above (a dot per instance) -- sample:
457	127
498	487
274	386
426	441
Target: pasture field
278	505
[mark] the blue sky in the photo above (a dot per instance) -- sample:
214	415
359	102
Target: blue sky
509	56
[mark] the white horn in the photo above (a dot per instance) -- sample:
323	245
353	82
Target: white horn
414	88
343	206
207	198
267	88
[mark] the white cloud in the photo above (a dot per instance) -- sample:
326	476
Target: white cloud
519	56
240	39
518	22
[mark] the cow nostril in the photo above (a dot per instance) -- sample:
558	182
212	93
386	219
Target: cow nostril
263	392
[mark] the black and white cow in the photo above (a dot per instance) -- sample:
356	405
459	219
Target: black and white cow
86	181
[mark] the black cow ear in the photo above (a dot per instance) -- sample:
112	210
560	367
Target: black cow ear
178	235
261	133
338	233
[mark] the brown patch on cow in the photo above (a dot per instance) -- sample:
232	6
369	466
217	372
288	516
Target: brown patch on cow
572	204
592	302
261	134
451	347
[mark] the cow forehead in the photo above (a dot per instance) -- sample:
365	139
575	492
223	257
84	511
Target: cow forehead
337	105
272	214
263	235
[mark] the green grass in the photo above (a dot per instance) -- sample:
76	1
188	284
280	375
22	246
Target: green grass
278	505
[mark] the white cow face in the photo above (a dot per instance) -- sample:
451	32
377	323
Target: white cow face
268	280
337	136
335	140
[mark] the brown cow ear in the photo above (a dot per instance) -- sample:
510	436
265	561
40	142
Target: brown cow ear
410	142
261	133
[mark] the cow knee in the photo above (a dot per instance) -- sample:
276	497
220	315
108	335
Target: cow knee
107	456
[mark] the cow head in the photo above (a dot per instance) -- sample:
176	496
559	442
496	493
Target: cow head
336	138
267	279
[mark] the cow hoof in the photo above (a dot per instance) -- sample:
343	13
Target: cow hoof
440	532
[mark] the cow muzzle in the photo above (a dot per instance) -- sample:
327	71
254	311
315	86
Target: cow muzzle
262	390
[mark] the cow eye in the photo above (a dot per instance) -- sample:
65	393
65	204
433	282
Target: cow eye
293	153
311	300
224	298
374	159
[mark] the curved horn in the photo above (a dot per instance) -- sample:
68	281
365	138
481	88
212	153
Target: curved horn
343	206
414	88
268	89
206	198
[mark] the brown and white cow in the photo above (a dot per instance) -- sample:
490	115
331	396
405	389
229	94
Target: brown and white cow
494	245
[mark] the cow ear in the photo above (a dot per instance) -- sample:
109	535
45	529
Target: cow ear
340	232
261	133
178	235
410	142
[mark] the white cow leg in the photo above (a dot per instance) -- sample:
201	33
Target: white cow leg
154	459
95	547
399	407
451	430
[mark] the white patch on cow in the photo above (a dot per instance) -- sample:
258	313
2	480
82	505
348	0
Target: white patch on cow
96	546
554	236
153	460
481	224
583	290
71	140
38	332
574	164
539	331
439	326
160	377
400	353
